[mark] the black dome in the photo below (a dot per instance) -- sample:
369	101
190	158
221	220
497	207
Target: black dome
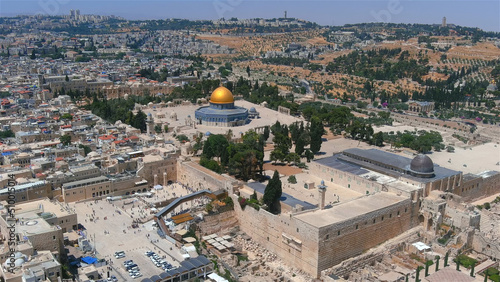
422	163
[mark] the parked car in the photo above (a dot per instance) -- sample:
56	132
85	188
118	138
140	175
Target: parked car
128	262
120	254
131	266
137	275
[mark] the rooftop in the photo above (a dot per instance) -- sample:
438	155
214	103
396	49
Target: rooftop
83	182
24	186
380	161
449	274
285	198
349	210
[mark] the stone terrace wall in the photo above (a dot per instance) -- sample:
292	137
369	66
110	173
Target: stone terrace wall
311	249
294	241
479	188
218	223
351	238
485	245
375	254
200	178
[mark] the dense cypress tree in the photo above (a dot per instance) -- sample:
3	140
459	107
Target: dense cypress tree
316	132
272	193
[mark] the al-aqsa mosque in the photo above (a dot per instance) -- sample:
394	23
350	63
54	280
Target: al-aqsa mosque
222	112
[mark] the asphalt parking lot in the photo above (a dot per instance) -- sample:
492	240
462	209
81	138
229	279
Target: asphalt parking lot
115	233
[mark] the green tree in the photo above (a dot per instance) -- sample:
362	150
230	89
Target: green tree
266	132
317	131
139	121
215	146
309	155
273	192
277	155
33	56
86	149
378	139
7	133
182	138
158	128
65	139
437	263
292	158
66	78
210	164
67	116
248	71
418	273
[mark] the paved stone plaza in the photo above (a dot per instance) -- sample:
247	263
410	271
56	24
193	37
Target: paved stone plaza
116	234
267	117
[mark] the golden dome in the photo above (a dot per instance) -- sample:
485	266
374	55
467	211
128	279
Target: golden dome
221	95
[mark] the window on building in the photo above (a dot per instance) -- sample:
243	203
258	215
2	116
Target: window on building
338	233
356	227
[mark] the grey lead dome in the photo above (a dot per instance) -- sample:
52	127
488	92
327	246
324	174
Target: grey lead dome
422	163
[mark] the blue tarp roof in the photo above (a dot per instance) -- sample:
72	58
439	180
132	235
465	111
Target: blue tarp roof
89	260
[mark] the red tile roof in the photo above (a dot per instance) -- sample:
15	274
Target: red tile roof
107	137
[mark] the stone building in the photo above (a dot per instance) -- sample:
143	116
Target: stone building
419	107
400	193
117	185
41	266
317	239
28	191
222	111
372	170
158	169
42	223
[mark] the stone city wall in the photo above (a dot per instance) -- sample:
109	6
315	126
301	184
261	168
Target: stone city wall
479	187
294	241
200	178
314	249
486	245
461	219
351	238
344	179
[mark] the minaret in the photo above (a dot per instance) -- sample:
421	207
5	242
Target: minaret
443	23
322	192
150	124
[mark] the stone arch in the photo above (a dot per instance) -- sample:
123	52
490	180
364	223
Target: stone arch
421	219
144	190
429	223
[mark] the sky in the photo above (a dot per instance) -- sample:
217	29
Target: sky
471	13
